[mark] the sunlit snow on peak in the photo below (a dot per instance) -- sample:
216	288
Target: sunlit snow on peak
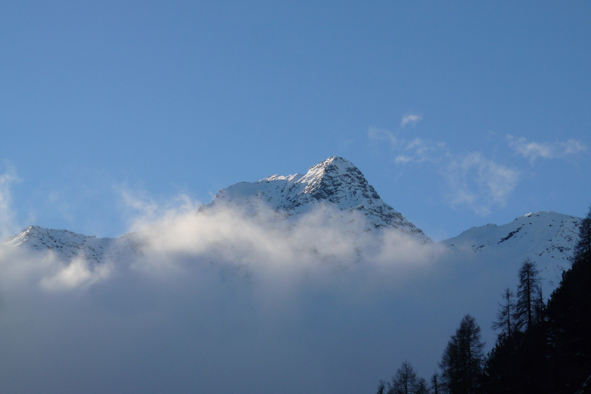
334	185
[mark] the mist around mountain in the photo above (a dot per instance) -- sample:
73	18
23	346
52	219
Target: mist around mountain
548	238
300	283
543	346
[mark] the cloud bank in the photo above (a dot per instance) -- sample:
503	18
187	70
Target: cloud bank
219	301
212	302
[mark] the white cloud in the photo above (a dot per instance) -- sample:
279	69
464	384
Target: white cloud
410	120
478	183
470	180
376	134
347	142
221	300
419	151
8	225
416	150
144	209
545	150
215	300
78	273
402	159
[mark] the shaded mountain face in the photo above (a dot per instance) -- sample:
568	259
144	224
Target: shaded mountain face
547	238
334	185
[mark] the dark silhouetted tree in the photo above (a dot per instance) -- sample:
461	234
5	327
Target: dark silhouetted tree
462	360
529	296
405	380
582	251
381	387
435	383
569	318
552	352
422	387
505	314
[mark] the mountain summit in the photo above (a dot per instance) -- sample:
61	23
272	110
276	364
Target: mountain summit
548	238
334	183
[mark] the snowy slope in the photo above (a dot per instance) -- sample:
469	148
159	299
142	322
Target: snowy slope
547	238
339	191
334	188
67	245
333	184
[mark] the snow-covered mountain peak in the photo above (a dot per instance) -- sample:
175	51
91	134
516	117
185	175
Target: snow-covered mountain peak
334	189
547	238
326	179
334	183
45	236
288	178
333	168
535	227
67	245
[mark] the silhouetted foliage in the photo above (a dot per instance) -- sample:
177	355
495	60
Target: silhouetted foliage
541	350
505	315
528	308
435	385
381	387
569	318
422	387
405	380
462	360
582	251
552	354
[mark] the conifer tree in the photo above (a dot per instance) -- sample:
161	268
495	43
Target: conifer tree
462	360
405	380
552	356
582	252
569	315
529	296
422	387
435	389
381	387
504	316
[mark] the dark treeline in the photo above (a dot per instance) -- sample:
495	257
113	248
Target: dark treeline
541	348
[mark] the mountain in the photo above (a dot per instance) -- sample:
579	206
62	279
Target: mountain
336	189
333	184
211	287
67	245
547	238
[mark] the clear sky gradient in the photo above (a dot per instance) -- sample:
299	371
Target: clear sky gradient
458	113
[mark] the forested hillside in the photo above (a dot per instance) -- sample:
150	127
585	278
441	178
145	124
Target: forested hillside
541	347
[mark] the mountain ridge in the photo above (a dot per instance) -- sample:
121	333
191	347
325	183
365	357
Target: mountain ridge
335	182
546	237
338	189
68	245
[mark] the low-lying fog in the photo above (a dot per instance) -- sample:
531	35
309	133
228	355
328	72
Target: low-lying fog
220	302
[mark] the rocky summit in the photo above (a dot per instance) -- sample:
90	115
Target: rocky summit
334	183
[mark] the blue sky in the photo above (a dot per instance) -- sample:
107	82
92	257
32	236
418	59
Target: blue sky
458	113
